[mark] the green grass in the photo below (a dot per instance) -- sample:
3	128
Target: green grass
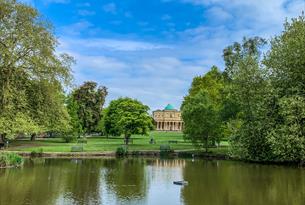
99	144
10	160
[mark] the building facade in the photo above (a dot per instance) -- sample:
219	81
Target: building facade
168	119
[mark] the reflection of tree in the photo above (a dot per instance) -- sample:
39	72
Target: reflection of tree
48	180
212	182
35	185
126	177
82	181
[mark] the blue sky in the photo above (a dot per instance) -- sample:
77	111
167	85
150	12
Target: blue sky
152	49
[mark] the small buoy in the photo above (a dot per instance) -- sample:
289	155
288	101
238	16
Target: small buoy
180	182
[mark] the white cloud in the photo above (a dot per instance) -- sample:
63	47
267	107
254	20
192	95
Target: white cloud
166	17
110	8
45	2
76	28
85	12
113	44
159	73
147	76
218	14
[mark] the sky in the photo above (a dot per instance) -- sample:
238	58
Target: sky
152	49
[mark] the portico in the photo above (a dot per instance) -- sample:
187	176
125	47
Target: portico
168	119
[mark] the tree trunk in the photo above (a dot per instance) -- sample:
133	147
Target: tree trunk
206	144
126	139
3	138
33	137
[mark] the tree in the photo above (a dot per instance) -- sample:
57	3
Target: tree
28	63
212	84
248	85
201	119
270	94
286	63
127	116
73	108
233	54
90	99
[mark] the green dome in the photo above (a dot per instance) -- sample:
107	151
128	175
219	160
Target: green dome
169	107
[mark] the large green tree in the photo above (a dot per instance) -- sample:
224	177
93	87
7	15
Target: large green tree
75	122
90	99
215	84
248	85
286	63
201	119
126	116
270	94
32	75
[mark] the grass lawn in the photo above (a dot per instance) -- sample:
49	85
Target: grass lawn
99	144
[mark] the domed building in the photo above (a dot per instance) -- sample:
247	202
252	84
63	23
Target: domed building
168	119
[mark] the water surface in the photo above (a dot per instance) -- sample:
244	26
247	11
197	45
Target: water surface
150	181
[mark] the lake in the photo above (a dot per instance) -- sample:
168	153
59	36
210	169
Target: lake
150	181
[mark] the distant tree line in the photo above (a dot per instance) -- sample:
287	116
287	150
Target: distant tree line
257	102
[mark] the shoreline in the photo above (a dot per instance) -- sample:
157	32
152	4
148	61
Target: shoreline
177	154
154	154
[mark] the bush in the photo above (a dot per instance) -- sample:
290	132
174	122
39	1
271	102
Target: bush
82	140
121	151
186	154
77	149
69	137
10	160
37	153
135	153
165	150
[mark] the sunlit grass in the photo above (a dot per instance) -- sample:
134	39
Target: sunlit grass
99	144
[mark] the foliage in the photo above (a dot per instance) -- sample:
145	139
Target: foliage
165	150
201	119
248	87
89	100
32	75
257	101
270	94
127	116
37	153
75	122
121	151
10	159
69	137
286	63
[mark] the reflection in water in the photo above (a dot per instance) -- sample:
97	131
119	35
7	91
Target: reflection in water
237	183
150	181
125	178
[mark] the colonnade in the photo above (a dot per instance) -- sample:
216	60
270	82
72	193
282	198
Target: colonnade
169	126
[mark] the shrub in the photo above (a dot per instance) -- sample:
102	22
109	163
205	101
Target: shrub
77	149
186	154
10	159
69	137
121	151
38	153
135	153
82	140
165	150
